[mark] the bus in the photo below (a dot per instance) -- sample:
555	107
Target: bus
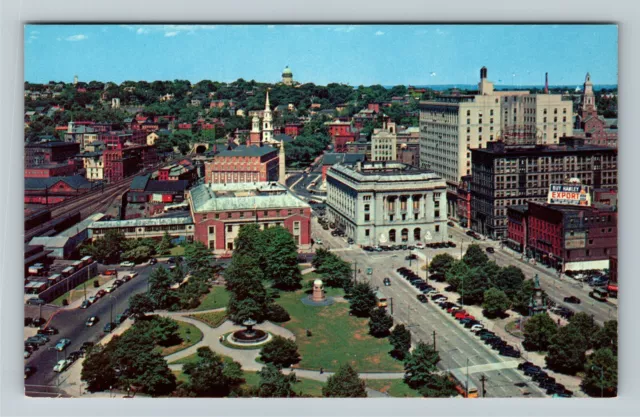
599	293
461	381
382	300
613	290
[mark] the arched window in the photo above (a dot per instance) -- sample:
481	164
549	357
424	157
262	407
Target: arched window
416	234
405	235
392	235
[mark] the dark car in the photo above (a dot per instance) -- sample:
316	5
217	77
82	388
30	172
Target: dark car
118	282
572	299
38	321
86	346
531	371
470	233
350	241
30	346
28	321
470	323
410	257
48	330
386	282
153	261
525	364
171	260
74	356
490	249
451	224
28	371
35	301
512	353
109	327
422	298
85	304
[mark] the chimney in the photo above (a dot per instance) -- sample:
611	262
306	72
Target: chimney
546	83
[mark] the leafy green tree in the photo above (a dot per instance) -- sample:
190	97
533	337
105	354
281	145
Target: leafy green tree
344	384
520	301
400	339
159	288
106	249
140	304
162	330
248	297
420	365
566	351
276	313
281	259
601	374
441	263
335	272
538	332
472	286
438	386
380	322
199	259
320	257
495	302
458	273
586	325
475	257
250	241
210	376
362	299
281	352
274	384
607	336
509	280
138	254
97	371
165	244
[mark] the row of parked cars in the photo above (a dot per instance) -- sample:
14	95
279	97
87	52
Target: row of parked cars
63	364
544	380
417	282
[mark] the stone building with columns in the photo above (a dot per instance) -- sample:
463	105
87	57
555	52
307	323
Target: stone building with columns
387	203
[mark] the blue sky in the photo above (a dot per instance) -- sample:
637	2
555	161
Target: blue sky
353	54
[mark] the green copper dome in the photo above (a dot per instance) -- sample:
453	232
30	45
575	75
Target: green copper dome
287	71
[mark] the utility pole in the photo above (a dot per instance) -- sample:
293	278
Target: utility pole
434	340
391	305
355	271
483	379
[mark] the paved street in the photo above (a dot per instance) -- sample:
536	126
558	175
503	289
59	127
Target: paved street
71	324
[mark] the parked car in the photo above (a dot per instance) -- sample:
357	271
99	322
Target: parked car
490	249
171	260
38	339
30	346
419	245
525	364
35	301
118	282
28	371
127	264
350	241
410	257
120	318
50	330
108	328
477	327
109	272
386	282
61	365
93	299
509	352
27	354
85	304
111	288
101	293
572	299
153	261
318	241
62	344
422	298
92	320
74	356
27	321
86	346
451	224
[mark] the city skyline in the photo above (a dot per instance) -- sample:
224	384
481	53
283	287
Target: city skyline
323	54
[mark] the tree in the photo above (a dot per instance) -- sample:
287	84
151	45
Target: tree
538	332
210	376
199	259
520	301
106	249
420	364
475	256
281	352
607	336
250	241
586	326
362	299
566	351
277	313
274	384
281	258
509	280
400	339
473	285
380	322
159	288
248	297
458	273
138	254
438	386
162	330
441	263
165	244
345	384
335	272
140	304
97	371
495	302
601	374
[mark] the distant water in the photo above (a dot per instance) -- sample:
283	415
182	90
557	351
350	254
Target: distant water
442	87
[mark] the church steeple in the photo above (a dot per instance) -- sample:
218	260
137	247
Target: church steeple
254	135
588	99
267	122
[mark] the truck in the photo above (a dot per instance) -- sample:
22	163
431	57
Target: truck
382	300
464	385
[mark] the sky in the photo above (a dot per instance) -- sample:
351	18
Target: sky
351	54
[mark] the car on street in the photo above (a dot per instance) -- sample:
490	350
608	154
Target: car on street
86	346
109	327
93	299
111	288
38	339
49	330
490	249
109	272
62	344
572	299
525	364
318	242
509	352
30	346
127	264
422	298
451	224
120	318
35	301
28	371
386	282
92	321
118	282
410	257
153	261
477	327
27	354
85	304
171	260
419	245
101	293
61	365
74	356
350	241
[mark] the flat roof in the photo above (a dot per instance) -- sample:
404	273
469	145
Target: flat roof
241	196
161	221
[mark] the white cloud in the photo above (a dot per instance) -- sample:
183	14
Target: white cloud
270	26
379	33
346	29
168	30
441	32
75	38
422	32
35	32
170	34
33	37
142	31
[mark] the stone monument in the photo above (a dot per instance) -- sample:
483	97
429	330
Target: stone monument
318	291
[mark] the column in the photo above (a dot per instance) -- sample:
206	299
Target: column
410	207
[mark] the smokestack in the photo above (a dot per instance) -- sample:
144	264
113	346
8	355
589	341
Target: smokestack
546	83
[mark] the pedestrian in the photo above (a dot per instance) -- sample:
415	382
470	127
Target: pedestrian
221	338
321	371
558	322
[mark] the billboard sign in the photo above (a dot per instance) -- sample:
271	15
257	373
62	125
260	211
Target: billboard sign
573	195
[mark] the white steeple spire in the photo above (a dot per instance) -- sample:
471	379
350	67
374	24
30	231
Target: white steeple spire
267	122
267	106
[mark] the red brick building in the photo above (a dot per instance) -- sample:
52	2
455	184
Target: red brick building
121	162
43	153
338	128
243	164
375	107
565	237
293	129
54	190
463	205
51	170
219	210
340	142
178	172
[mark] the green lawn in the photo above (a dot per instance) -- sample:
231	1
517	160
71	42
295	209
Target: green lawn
189	334
177	251
213	318
336	337
393	387
218	297
77	292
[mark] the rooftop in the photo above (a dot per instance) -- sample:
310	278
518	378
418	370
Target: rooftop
570	145
345	158
238	196
161	221
248	151
75	181
386	172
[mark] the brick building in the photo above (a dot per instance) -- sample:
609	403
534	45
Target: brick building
123	161
293	129
176	172
54	190
564	237
596	130
219	210
243	164
505	175
48	152
51	170
464	201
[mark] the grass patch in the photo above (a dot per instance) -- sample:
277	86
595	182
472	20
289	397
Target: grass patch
188	333
393	387
181	376
212	318
217	297
512	327
177	251
77	292
337	337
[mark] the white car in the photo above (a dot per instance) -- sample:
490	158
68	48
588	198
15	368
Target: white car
27	354
420	245
477	327
318	242
61	365
92	299
132	274
111	288
128	264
